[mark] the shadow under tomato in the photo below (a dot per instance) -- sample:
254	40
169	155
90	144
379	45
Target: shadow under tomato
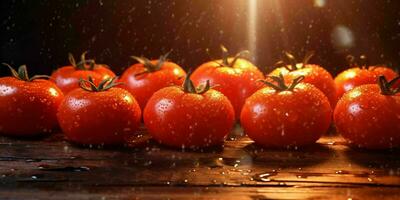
217	148
382	159
289	158
36	137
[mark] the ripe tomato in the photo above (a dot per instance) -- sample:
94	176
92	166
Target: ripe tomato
233	76
368	116
356	76
67	77
146	77
28	106
99	115
189	117
314	74
284	116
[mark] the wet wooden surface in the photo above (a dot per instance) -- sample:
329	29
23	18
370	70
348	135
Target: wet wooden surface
51	168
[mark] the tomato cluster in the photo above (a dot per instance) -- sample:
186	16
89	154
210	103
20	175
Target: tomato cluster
291	106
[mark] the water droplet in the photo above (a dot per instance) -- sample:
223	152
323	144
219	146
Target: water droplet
265	177
33	160
342	172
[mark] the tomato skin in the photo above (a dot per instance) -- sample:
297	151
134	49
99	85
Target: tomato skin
353	77
180	119
287	118
315	75
99	118
28	108
67	77
368	119
237	82
144	85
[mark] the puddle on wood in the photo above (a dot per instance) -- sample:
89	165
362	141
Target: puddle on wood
265	177
335	143
8	159
36	176
33	160
63	169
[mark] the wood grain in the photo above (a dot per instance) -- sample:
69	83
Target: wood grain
50	168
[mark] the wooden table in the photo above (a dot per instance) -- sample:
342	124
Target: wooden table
51	168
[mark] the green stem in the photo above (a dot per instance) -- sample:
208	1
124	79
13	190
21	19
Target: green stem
189	87
82	64
290	62
280	83
387	86
362	63
149	66
104	85
22	73
225	57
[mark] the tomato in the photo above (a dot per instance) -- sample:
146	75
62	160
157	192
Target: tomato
146	77
189	117
368	116
314	74
67	77
360	75
233	76
99	115
28	106
285	116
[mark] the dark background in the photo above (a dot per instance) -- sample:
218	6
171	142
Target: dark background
40	33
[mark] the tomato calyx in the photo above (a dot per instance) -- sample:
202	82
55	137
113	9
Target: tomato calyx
290	61
362	62
387	86
148	65
104	85
280	83
22	73
225	57
83	64
188	85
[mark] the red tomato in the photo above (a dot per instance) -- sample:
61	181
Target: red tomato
99	115
28	106
283	116
233	76
146	77
368	116
67	77
314	74
189	117
356	76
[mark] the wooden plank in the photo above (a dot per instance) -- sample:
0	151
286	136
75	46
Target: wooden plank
206	193
51	166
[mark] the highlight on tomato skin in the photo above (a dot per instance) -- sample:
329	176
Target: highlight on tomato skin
234	76
313	74
28	105
99	114
360	74
148	76
368	116
67	77
189	116
283	116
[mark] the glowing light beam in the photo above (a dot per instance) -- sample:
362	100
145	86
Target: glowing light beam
252	27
